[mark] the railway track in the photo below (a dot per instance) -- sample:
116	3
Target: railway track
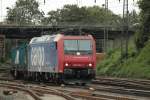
126	83
118	86
35	90
123	86
125	80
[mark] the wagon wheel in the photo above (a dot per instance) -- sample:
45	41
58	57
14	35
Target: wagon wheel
15	74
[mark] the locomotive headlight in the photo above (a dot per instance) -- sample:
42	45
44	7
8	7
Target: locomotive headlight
90	64
66	64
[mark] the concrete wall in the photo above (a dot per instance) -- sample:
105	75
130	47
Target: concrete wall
113	41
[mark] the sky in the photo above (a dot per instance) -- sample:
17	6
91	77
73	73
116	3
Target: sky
49	5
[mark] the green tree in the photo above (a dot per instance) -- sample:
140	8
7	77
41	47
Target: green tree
53	18
72	14
98	15
24	12
144	32
134	20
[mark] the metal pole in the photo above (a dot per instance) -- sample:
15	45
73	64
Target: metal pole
104	38
126	22
122	33
106	26
125	29
44	2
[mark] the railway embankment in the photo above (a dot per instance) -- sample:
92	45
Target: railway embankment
137	64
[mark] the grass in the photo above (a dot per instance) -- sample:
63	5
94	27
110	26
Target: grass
111	61
136	66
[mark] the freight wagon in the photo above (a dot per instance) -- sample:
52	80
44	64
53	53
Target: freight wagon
55	58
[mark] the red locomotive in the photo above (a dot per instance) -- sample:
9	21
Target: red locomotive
56	57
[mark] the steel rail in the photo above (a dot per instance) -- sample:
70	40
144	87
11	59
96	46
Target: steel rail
34	90
115	87
36	97
128	83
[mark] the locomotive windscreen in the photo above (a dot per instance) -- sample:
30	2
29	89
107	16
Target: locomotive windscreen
74	46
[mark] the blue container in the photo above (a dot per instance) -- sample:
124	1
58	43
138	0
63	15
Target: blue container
19	55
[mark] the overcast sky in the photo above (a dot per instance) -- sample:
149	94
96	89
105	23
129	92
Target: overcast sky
114	5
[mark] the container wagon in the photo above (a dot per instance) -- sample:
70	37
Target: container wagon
56	58
19	60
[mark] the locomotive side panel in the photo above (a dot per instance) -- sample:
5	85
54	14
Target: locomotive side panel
42	57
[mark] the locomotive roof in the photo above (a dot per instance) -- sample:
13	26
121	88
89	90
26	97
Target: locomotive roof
52	38
45	38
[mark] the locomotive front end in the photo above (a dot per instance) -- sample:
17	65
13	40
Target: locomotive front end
79	57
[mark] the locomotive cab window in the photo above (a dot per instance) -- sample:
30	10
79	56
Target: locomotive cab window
74	46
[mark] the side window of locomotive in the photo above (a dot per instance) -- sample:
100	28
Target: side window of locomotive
53	45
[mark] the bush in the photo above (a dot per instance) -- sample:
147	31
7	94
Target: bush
136	66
